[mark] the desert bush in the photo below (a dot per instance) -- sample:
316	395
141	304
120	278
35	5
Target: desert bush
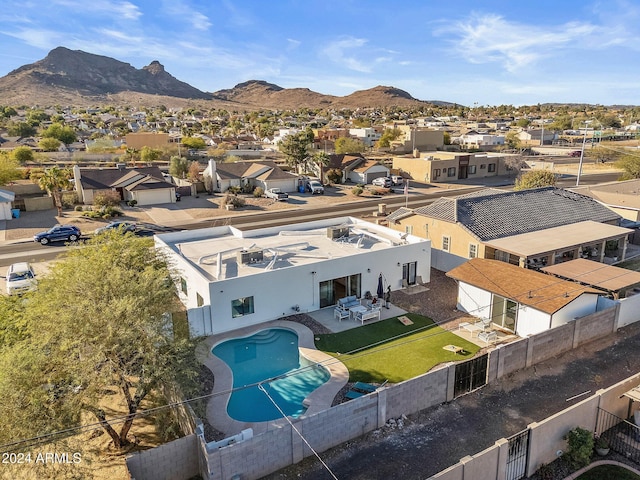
357	191
247	188
334	175
258	192
234	189
78	208
69	199
132	203
237	202
106	198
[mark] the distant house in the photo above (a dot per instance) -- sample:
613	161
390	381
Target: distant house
521	301
621	197
356	168
145	185
528	228
218	177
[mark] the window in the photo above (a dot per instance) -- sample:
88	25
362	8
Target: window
482	166
451	172
492	167
446	243
241	307
473	250
436	173
183	285
472	169
502	256
199	299
408	229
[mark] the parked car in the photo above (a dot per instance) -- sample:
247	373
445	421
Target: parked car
397	180
575	153
314	187
121	226
382	182
20	278
69	233
276	194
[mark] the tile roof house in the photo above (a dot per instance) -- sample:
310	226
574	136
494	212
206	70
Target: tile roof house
519	300
145	185
356	168
527	228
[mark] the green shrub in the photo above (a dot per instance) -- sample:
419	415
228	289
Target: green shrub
247	188
357	191
78	208
69	199
579	447
234	189
132	203
258	192
334	175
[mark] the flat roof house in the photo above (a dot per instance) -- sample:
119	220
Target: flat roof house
230	279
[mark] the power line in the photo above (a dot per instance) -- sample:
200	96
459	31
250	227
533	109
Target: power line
356	354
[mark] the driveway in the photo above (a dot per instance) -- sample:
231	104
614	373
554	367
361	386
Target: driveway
168	214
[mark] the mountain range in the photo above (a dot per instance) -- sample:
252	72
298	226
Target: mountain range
74	77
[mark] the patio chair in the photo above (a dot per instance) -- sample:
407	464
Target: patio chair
340	313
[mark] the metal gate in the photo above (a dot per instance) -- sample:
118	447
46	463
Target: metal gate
518	456
470	375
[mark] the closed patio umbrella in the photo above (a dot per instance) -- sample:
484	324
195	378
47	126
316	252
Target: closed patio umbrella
380	290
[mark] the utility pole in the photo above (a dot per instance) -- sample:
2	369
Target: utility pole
584	140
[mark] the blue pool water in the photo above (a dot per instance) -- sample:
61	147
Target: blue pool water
268	354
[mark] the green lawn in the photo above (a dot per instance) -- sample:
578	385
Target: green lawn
389	350
608	472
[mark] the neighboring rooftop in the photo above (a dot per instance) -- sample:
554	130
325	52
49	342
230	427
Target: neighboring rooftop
225	252
595	274
490	214
528	287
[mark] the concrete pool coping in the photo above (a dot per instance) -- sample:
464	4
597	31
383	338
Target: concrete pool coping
317	401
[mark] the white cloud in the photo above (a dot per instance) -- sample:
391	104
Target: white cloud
340	52
126	10
183	11
293	44
491	38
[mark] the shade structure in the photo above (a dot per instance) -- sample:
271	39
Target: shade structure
380	290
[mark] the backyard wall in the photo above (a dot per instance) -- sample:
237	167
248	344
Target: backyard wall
177	460
629	308
281	446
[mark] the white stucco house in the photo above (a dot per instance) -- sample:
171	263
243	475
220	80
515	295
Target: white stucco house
518	300
6	197
230	279
218	177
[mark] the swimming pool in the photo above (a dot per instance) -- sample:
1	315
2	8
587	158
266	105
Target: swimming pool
268	354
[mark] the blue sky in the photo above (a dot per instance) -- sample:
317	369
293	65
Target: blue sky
469	52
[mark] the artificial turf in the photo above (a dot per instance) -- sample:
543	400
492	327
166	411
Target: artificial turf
388	350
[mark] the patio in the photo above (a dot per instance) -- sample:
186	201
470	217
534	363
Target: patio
326	318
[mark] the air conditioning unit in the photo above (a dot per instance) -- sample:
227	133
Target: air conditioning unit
247	257
337	232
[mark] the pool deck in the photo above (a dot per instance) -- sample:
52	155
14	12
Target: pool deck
319	400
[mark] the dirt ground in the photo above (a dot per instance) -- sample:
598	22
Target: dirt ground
420	445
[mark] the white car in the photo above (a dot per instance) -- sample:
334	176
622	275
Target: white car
20	278
382	182
314	187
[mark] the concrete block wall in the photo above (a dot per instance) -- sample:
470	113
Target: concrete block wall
509	358
176	460
596	325
418	393
550	343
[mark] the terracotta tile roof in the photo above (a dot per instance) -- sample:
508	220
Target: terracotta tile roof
527	287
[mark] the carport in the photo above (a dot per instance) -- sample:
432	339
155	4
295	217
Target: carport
614	280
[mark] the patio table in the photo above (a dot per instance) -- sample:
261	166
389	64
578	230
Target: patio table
357	309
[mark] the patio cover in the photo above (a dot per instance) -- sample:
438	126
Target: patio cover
633	394
558	238
595	274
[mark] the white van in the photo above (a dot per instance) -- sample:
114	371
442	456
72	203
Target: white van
20	278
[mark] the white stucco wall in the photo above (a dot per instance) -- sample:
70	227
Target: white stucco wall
581	306
5	211
474	301
629	310
531	321
276	291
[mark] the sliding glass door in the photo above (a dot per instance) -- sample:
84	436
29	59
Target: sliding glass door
332	290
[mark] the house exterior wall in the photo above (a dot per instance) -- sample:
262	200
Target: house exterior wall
276	292
581	306
436	230
531	321
5	211
474	301
438	167
629	308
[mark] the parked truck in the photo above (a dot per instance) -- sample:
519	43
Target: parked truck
276	194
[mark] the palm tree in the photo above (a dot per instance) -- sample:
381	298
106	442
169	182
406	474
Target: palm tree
321	159
55	180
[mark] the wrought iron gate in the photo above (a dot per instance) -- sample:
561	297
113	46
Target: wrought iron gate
518	456
470	375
